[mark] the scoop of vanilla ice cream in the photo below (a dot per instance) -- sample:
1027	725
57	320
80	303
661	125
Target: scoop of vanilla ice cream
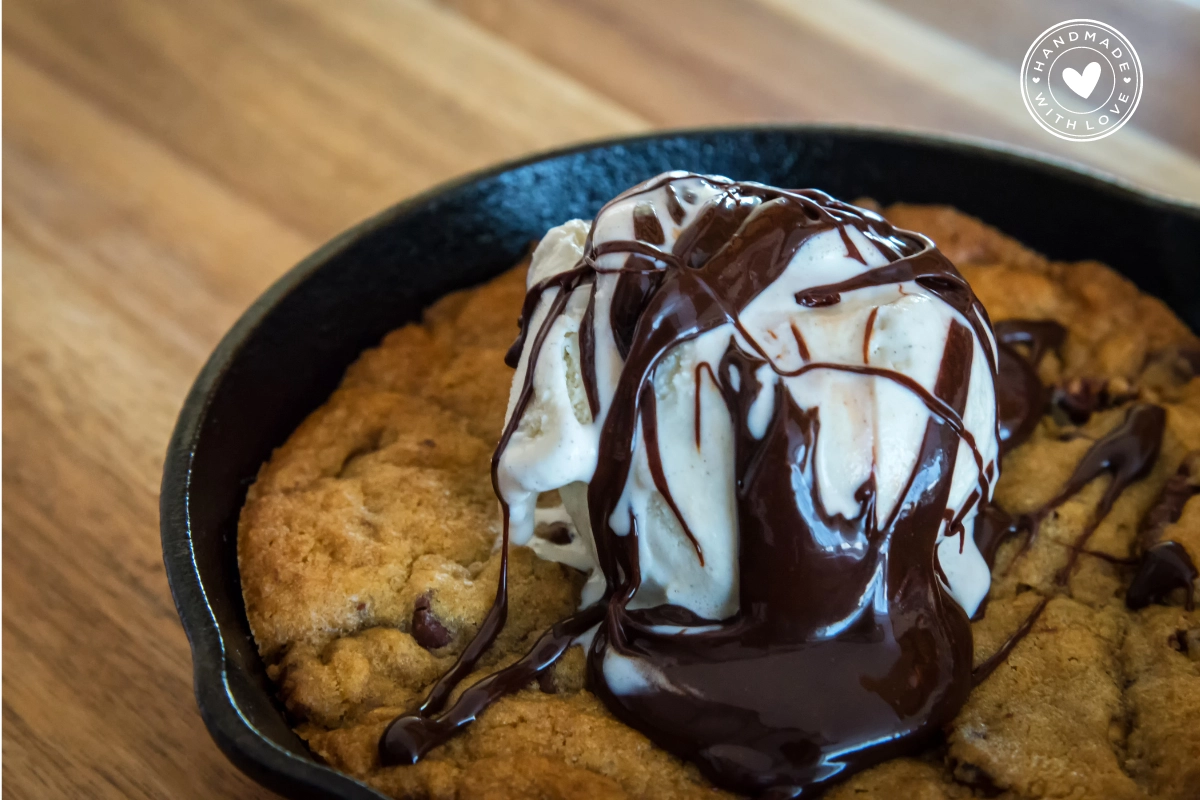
869	424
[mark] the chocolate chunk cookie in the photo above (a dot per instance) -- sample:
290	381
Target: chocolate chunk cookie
366	549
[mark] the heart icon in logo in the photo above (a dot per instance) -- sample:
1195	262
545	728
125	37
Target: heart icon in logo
1082	85
1092	96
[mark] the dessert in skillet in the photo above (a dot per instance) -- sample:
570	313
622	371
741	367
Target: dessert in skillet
764	459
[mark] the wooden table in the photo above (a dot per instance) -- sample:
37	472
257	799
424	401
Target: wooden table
165	162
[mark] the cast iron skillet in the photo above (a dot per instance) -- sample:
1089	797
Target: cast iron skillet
288	351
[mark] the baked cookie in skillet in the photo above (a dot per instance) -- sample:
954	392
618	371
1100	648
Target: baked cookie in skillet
366	549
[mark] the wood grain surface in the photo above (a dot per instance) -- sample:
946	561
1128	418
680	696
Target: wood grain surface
164	162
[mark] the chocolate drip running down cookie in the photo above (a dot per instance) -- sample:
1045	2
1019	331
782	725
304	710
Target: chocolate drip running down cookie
1021	397
1127	453
1165	565
752	699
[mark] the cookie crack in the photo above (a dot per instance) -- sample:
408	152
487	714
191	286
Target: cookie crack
1125	682
372	444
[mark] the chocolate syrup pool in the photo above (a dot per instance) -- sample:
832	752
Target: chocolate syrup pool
846	648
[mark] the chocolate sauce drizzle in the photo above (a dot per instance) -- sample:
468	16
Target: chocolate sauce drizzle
1021	398
1165	565
984	670
1127	453
902	645
764	709
839	656
993	526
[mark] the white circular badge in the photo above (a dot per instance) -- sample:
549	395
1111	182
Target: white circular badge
1081	80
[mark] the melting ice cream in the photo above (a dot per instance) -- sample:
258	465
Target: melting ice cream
771	419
